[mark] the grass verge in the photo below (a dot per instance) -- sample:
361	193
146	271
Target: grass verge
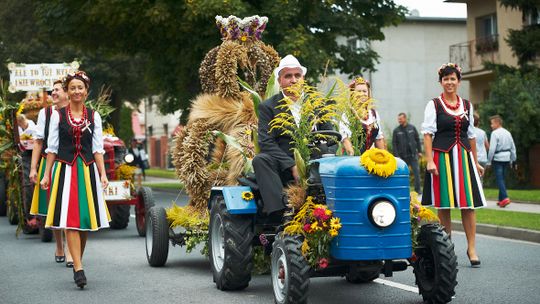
526	196
514	219
156	172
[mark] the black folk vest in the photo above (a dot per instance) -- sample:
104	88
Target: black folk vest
451	129
48	113
370	132
73	141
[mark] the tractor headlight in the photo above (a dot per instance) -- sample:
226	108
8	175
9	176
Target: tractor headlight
129	158
383	213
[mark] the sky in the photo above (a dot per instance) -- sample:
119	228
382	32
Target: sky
435	8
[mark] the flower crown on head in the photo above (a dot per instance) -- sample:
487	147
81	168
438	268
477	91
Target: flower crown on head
234	28
358	80
81	75
449	65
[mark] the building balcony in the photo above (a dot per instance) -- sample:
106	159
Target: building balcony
472	55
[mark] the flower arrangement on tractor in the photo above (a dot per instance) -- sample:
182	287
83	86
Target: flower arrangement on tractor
346	215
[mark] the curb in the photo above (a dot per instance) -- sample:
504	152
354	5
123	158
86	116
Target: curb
505	232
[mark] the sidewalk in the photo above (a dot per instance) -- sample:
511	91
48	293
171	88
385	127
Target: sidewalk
500	231
507	232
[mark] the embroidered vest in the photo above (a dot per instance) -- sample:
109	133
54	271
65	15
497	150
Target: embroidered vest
451	129
370	133
48	112
73	141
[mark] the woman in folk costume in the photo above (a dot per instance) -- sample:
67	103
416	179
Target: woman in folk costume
78	176
371	123
453	172
40	197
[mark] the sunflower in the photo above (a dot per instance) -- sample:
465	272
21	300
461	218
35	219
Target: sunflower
379	162
247	195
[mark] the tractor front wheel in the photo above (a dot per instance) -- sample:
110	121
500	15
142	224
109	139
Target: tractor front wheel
290	270
157	237
435	265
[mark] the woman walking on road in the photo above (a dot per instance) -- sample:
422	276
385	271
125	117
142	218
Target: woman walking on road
453	172
40	196
78	174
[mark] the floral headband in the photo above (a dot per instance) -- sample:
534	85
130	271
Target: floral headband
358	80
449	65
81	75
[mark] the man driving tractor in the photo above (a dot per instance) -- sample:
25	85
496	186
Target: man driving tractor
275	160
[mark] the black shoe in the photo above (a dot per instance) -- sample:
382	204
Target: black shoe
474	263
79	278
60	258
69	264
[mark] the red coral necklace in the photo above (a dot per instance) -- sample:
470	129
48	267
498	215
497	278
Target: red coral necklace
451	107
73	121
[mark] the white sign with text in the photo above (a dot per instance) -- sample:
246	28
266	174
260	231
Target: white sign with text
35	77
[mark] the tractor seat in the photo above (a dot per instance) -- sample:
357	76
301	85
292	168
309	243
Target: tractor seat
250	181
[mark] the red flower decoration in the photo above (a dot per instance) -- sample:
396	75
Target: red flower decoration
307	227
323	263
320	213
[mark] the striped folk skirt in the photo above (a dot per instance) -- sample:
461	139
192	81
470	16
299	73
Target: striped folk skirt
458	183
40	198
76	198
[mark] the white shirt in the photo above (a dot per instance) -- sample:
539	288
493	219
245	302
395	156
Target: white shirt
481	138
346	131
501	146
30	129
295	107
40	129
429	126
97	136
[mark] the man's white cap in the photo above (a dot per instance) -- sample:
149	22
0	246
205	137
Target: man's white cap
289	61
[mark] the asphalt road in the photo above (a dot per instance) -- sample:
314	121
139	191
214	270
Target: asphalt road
117	272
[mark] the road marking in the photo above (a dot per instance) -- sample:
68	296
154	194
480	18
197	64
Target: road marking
397	285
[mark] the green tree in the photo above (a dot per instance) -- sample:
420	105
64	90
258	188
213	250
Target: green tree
21	40
515	94
524	42
516	97
173	36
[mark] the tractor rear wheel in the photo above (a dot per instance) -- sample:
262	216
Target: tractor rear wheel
230	244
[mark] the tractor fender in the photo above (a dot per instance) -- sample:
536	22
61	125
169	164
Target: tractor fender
232	195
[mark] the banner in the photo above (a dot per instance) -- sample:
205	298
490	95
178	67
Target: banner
35	77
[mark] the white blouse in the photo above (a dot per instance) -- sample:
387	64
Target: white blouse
346	131
40	128
429	126
97	137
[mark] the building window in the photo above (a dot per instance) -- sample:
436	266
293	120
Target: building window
486	34
356	44
150	131
166	129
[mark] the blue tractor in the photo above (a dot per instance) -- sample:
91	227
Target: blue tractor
375	237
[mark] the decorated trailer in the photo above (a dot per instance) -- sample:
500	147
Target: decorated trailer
121	194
